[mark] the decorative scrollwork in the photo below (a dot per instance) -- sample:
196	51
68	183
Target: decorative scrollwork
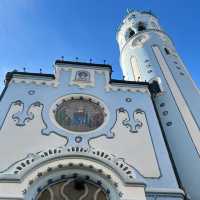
21	166
133	124
24	115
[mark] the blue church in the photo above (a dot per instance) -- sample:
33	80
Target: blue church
79	134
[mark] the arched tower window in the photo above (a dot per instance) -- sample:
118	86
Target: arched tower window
129	33
167	51
141	26
154	25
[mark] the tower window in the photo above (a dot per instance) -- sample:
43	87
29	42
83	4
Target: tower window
130	33
141	26
154	25
167	51
131	17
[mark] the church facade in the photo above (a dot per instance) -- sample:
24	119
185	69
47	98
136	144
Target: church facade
78	134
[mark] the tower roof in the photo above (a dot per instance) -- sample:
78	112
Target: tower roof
147	12
136	12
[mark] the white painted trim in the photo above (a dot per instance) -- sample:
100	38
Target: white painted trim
165	190
180	101
135	69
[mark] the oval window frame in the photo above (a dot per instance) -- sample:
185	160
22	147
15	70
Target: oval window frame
78	96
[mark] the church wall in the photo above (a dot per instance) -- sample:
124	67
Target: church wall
130	134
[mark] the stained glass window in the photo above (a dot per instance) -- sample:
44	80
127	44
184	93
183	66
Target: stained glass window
79	115
73	190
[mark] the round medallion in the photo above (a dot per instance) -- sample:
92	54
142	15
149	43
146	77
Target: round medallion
79	115
82	76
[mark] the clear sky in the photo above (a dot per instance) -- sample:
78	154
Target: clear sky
34	33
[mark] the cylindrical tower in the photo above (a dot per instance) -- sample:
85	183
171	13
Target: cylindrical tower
148	54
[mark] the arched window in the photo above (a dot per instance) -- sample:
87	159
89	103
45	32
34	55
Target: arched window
141	26
129	33
167	51
73	189
154	25
79	115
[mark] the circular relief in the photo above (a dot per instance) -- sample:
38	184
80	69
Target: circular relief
73	190
79	115
82	76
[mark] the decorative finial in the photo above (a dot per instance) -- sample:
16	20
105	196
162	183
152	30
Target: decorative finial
77	58
90	60
62	58
24	68
104	61
40	70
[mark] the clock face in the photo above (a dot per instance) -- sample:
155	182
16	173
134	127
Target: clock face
73	190
79	115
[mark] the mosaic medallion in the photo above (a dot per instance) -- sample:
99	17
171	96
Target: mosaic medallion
79	115
82	76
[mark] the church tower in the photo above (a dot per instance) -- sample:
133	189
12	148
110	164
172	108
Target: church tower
147	53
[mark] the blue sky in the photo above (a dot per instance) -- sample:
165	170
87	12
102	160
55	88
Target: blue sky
34	33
